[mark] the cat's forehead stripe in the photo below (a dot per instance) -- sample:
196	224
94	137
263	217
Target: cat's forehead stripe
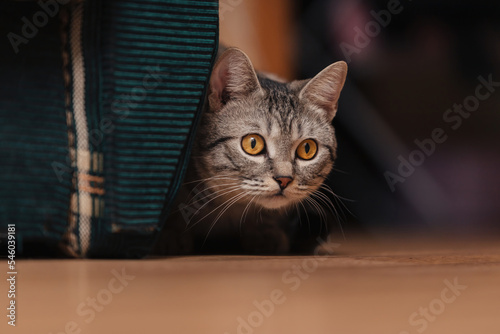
299	130
254	127
282	105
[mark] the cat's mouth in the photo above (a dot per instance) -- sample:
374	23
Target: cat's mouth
275	201
280	195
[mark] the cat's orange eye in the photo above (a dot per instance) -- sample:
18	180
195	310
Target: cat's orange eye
307	149
253	144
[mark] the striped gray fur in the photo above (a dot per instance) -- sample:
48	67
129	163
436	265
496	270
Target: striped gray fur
242	102
278	112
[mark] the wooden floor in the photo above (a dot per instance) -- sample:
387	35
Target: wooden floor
383	286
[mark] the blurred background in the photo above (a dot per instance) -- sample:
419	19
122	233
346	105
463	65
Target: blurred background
412	67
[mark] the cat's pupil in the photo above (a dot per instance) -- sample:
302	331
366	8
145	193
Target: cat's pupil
307	148
253	143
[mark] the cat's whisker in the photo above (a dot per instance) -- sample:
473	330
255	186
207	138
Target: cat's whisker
211	193
341	171
307	216
215	177
337	198
324	199
329	189
260	210
319	210
196	223
340	218
245	211
341	207
205	180
312	191
298	213
229	202
212	196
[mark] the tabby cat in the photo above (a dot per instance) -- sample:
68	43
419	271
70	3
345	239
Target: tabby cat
262	148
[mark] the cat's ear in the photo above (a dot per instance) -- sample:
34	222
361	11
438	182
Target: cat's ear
233	77
324	89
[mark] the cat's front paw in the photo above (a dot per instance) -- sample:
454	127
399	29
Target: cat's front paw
265	239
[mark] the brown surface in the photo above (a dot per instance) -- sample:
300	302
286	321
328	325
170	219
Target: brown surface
262	29
362	288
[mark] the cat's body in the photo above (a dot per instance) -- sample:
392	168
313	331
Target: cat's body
263	147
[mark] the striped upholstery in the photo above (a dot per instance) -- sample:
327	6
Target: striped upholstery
120	85
33	131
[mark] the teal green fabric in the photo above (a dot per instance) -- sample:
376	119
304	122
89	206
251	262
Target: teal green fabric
147	65
33	131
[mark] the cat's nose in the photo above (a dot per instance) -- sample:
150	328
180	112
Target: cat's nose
283	181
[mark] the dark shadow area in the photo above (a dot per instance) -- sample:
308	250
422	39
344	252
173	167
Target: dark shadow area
418	119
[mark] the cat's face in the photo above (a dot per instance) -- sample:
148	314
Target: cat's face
263	141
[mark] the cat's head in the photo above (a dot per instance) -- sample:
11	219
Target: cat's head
263	140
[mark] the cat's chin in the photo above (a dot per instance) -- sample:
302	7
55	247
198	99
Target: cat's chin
275	202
